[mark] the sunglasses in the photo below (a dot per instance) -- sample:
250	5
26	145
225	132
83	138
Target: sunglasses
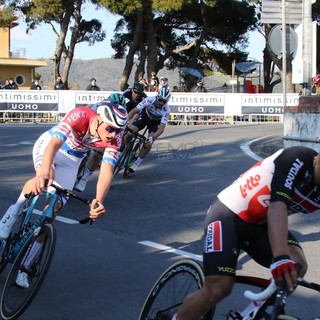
110	129
162	100
136	92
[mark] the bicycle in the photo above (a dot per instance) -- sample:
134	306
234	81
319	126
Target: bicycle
186	276
130	153
29	229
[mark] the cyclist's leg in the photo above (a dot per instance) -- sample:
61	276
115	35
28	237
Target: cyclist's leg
138	125
221	251
13	212
256	244
92	163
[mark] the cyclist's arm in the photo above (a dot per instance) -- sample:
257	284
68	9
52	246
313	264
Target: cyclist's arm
46	171
133	113
278	228
103	186
159	132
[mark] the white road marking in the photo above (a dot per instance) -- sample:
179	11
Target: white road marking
61	219
171	250
246	148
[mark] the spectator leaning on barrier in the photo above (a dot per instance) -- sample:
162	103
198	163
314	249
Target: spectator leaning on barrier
59	85
93	85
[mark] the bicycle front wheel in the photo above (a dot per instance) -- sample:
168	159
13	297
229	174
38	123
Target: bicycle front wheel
120	164
170	290
15	299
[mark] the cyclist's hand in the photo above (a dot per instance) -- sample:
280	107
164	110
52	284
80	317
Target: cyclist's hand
97	210
284	272
149	142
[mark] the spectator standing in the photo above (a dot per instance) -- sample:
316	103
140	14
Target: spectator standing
164	83
59	85
35	85
175	89
6	85
145	84
154	82
199	87
13	85
93	85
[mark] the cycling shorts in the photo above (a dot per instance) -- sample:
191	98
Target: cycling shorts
145	121
229	234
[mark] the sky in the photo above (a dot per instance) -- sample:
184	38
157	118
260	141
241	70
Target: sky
40	43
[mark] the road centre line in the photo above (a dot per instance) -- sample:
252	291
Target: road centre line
171	250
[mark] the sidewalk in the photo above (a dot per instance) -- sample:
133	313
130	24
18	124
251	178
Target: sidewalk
266	147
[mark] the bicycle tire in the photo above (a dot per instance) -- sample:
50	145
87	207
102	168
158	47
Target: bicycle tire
15	299
133	156
122	159
171	288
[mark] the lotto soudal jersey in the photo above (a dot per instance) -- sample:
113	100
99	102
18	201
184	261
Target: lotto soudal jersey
74	131
287	176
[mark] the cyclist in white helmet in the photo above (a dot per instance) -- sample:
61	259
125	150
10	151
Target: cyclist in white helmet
58	153
153	113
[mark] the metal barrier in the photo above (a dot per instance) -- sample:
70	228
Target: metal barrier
175	119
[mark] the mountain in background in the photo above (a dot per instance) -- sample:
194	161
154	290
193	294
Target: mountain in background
108	71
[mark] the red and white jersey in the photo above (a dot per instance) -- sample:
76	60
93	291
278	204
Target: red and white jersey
287	176
74	131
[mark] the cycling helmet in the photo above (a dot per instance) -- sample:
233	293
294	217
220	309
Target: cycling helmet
316	80
111	112
138	86
164	94
118	97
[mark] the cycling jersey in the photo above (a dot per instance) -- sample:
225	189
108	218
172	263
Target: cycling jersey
286	176
132	103
154	113
74	131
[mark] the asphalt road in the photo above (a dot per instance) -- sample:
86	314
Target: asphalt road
106	271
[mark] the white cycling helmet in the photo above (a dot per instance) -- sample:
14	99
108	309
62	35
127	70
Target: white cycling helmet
111	112
164	94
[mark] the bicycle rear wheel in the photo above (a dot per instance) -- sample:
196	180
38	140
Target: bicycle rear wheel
15	299
170	290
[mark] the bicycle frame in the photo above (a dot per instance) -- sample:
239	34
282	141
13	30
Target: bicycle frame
125	159
26	228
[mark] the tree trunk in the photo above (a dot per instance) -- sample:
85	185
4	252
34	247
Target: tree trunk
138	33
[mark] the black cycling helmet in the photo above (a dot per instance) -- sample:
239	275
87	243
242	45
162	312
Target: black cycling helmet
138	87
118	97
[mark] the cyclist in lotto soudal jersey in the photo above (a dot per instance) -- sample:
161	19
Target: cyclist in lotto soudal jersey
58	153
252	214
153	113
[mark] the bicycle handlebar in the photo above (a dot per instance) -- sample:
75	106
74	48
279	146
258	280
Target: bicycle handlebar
263	295
141	136
69	193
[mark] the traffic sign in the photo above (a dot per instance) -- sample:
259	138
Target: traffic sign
272	11
275	40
